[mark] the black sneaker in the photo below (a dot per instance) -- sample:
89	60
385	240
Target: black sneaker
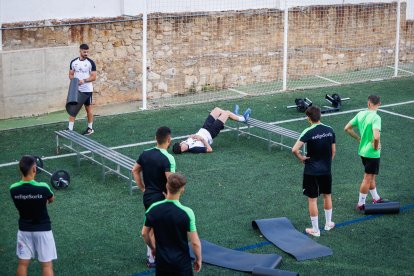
88	131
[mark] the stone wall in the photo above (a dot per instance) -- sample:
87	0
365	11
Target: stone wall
195	52
115	48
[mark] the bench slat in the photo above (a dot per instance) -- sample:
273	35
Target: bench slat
98	148
273	128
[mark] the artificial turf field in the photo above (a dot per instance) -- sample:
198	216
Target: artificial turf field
97	225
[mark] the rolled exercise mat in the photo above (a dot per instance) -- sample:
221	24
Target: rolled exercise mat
73	91
281	233
75	99
263	271
233	259
390	207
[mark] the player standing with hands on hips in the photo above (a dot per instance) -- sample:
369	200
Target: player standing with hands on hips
317	177
369	124
84	69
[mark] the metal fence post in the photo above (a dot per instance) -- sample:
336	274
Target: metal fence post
144	57
397	39
285	45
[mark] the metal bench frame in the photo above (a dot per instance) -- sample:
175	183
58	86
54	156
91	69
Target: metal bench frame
272	129
96	150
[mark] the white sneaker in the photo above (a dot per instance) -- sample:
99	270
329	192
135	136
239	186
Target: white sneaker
329	226
310	231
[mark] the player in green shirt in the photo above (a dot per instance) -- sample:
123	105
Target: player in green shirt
369	124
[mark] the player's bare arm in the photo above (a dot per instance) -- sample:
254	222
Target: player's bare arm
376	142
350	130
296	151
196	246
136	173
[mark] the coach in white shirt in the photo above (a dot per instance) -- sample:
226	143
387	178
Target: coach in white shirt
84	69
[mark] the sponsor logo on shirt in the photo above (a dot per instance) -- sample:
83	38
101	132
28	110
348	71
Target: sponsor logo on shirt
320	136
26	197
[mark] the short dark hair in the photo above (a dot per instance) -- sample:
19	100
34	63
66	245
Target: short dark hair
175	182
314	113
177	148
84	46
374	99
26	163
162	134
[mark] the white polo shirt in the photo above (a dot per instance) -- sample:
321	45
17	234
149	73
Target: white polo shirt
83	69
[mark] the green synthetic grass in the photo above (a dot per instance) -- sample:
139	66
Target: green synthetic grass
97	224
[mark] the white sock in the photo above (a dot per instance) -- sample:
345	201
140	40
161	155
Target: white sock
328	216
151	258
241	119
315	224
362	198
90	125
71	124
374	194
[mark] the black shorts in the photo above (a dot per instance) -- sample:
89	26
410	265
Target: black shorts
149	199
314	185
371	165
88	101
214	126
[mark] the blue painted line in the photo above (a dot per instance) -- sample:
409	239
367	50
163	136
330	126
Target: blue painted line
253	246
265	243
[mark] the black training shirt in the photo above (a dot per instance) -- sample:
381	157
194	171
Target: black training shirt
319	139
155	163
30	199
171	222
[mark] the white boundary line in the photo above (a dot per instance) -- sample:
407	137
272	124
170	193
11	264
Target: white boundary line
225	130
327	79
399	69
238	91
396	114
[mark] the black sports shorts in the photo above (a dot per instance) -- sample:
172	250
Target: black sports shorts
149	199
88	101
214	126
314	185
371	165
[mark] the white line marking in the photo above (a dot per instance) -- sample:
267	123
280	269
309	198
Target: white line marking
327	79
225	130
238	91
399	69
396	114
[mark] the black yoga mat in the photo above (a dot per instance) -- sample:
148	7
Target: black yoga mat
262	271
389	207
281	233
233	259
75	99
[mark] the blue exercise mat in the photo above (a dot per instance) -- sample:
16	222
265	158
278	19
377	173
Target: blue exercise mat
281	233
233	259
261	271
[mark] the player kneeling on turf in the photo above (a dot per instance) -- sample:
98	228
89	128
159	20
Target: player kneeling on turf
317	178
202	140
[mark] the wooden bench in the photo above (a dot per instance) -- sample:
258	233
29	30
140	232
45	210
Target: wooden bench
272	130
98	154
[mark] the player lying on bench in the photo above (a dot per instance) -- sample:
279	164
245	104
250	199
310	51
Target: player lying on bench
202	140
